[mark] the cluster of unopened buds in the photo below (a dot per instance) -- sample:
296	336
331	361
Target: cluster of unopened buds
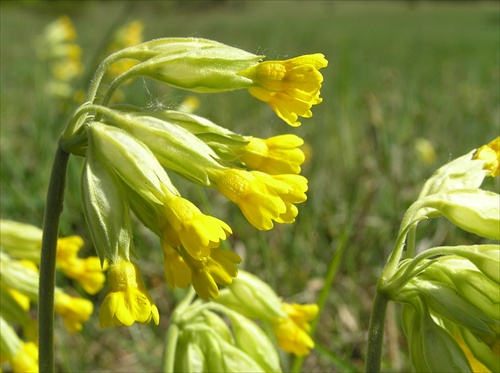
450	294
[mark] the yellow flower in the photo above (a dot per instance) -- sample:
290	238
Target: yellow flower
491	155
290	87
127	300
261	197
275	155
73	310
425	151
21	299
26	359
88	271
189	227
177	272
207	272
292	332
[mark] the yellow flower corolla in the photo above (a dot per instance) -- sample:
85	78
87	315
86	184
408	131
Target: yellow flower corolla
73	310
21	299
292	332
189	227
275	155
262	198
26	358
490	153
177	272
127	300
88	272
290	87
207	272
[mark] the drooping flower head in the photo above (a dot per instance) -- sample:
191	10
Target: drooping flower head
127	300
262	197
290	87
275	155
293	331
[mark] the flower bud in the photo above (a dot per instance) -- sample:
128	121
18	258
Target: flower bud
198	65
440	350
461	173
474	210
252	297
175	147
254	342
132	161
106	209
21	240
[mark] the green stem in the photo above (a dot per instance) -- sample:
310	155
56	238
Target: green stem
53	210
173	332
376	333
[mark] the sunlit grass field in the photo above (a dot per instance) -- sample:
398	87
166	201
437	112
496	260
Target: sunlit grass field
398	71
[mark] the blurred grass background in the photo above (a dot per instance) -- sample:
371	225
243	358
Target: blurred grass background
398	71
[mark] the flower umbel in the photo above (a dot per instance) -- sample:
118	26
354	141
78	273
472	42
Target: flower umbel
290	87
127	300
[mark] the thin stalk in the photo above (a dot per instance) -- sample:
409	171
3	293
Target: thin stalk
173	332
53	210
376	333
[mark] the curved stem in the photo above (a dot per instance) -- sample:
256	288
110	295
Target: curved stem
376	333
172	335
53	210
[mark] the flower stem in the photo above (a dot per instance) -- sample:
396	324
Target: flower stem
173	332
376	333
53	210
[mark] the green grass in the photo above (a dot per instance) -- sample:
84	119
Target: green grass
429	69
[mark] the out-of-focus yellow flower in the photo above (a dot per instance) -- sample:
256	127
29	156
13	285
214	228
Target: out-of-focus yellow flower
425	151
127	300
275	155
88	272
290	87
217	268
177	272
26	359
73	310
490	153
292	332
261	197
126	36
20	298
187	225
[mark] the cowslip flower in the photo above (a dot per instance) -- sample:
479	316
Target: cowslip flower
490	153
275	155
293	331
290	87
219	267
188	226
127	300
22	355
87	271
262	198
177	272
73	310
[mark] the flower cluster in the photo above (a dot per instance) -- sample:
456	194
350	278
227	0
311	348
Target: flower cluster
19	258
450	293
129	152
205	342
